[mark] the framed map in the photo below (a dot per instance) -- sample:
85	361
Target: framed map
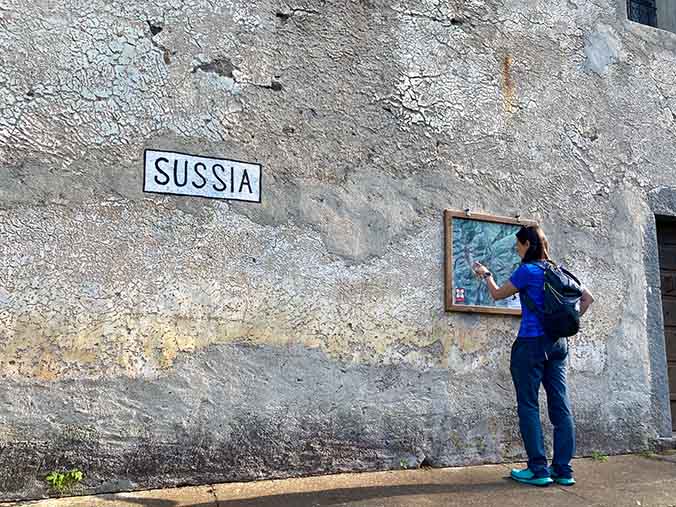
471	237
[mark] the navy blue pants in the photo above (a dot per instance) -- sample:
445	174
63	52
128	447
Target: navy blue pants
534	362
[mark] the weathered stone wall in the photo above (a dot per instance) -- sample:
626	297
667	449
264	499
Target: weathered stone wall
155	340
666	15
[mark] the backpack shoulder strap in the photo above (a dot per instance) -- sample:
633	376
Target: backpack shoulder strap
530	304
528	300
571	275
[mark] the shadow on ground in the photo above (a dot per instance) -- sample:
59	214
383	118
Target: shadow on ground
340	496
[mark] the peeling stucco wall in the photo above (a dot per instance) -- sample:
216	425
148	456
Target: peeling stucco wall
152	340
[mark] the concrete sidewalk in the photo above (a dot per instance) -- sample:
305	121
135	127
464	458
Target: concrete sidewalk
634	480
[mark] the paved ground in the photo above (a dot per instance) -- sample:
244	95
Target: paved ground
621	481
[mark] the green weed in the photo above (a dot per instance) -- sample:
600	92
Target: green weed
62	482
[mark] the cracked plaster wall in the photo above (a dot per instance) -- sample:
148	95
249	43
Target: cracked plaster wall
154	340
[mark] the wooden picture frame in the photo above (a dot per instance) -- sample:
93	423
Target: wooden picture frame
449	297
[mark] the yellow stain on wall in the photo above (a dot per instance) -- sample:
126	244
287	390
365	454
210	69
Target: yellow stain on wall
138	345
47	367
471	339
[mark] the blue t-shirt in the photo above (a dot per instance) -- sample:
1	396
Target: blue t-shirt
531	279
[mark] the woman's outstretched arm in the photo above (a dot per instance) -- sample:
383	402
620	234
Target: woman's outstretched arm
497	293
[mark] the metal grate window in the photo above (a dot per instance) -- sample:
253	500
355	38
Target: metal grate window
643	11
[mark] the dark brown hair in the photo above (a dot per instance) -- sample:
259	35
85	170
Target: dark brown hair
539	246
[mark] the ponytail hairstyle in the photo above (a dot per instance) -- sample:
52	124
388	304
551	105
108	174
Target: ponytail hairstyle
539	246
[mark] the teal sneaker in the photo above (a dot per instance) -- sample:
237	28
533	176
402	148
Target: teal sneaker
562	481
526	476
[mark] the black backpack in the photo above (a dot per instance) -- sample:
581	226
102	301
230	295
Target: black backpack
560	314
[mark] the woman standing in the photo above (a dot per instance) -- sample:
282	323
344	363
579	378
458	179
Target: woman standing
536	360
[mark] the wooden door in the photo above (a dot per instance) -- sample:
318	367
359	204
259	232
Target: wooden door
666	238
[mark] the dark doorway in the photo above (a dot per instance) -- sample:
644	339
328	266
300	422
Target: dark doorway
666	240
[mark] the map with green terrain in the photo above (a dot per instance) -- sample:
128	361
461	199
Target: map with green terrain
490	243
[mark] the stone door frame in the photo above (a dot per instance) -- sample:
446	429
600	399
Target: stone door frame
662	202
